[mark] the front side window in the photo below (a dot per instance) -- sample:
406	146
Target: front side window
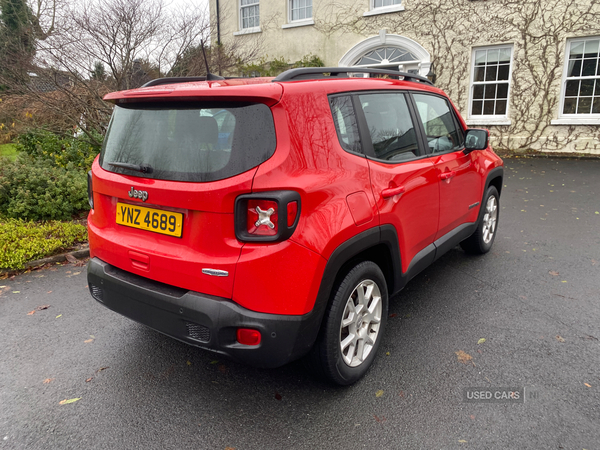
490	85
390	126
581	81
441	128
249	14
300	10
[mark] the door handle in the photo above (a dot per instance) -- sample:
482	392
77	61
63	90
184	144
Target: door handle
390	192
447	175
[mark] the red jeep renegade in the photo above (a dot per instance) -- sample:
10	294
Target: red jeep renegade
268	219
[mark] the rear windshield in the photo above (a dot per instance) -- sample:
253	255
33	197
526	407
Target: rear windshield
188	142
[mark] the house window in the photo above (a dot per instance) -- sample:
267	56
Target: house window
581	81
383	3
249	14
490	85
300	10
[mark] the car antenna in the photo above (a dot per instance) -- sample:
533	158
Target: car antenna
209	76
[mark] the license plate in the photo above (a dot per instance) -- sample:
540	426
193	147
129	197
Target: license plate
163	222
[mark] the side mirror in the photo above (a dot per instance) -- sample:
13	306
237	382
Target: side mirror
476	139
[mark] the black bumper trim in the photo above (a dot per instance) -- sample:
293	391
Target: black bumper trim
213	320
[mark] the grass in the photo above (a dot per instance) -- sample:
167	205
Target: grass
9	150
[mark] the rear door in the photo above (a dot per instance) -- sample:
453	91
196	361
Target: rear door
459	182
165	185
403	179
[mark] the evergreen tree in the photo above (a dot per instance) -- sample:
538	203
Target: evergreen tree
17	39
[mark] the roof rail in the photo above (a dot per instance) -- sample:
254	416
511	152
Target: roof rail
174	80
316	73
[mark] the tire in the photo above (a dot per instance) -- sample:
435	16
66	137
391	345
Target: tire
481	241
347	345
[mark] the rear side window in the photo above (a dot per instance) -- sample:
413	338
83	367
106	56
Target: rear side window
390	126
442	130
188	142
345	123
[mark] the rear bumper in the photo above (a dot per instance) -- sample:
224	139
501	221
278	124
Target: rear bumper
202	320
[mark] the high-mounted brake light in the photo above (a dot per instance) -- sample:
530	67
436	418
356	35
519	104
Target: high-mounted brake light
266	216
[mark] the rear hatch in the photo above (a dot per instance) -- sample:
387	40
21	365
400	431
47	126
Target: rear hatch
165	184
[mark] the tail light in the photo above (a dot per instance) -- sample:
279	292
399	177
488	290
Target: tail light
266	216
90	190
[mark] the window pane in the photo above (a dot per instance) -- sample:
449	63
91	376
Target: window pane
477	108
479	73
596	106
438	120
503	72
390	126
490	73
504	57
492	57
490	91
480	57
591	49
501	107
574	69
584	105
478	91
587	87
570	106
502	91
572	88
576	50
488	107
589	67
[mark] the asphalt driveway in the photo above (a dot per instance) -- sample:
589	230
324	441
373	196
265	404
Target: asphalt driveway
534	299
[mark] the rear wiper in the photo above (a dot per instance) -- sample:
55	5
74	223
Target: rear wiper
146	168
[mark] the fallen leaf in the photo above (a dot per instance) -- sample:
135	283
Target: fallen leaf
229	448
401	394
379	419
462	441
89	379
393	315
39	308
71	259
60	315
563	281
560	338
48	380
1	287
188	363
88	341
49	292
216	361
278	396
16	292
553	273
379	393
472	417
463	357
481	341
102	368
587	385
71	400
76	273
387	353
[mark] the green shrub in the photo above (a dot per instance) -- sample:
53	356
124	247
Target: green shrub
34	190
59	151
22	241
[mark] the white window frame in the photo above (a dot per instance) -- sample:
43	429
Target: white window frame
298	22
374	10
489	119
242	30
574	119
